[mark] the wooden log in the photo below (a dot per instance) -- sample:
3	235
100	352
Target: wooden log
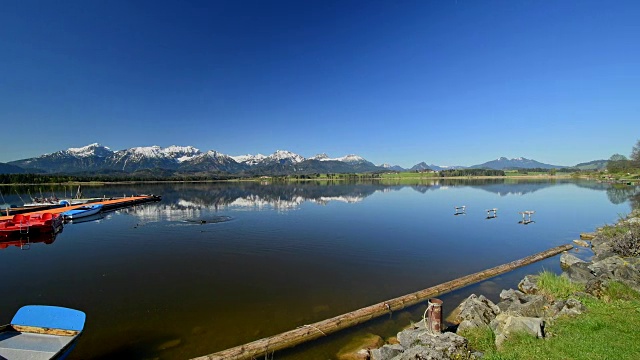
313	331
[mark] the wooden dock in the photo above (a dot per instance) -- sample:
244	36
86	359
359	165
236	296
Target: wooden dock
108	204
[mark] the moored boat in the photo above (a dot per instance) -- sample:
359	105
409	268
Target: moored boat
21	224
82	211
41	332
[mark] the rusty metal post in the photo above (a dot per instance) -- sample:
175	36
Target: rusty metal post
434	316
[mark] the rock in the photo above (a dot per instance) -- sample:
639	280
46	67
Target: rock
419	344
581	243
386	352
476	311
517	303
587	236
505	325
572	307
607	266
358	348
529	285
579	272
619	269
566	260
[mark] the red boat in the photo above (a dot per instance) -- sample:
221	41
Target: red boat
22	224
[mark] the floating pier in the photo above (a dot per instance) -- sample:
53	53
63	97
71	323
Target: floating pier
526	217
108	204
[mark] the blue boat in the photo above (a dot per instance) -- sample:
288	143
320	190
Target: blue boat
40	332
82	211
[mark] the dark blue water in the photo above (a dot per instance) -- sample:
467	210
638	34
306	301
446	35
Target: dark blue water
213	266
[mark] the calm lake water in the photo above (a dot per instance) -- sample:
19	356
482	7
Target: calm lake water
157	283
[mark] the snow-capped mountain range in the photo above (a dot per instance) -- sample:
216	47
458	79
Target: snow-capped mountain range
98	158
95	157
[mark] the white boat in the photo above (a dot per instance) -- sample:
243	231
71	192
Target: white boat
82	211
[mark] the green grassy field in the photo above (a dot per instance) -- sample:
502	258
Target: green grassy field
607	330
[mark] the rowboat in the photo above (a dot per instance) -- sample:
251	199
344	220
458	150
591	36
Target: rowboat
82	211
40	332
22	224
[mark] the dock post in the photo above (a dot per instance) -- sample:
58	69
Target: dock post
433	316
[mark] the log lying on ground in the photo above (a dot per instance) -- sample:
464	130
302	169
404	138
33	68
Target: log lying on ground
313	331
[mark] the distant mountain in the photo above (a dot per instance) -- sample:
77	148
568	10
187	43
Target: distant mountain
593	165
91	157
392	167
11	169
420	167
100	159
518	163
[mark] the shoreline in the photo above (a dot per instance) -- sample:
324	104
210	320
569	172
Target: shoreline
272	179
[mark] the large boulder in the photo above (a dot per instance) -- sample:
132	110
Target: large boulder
419	344
475	311
619	269
517	303
579	272
504	326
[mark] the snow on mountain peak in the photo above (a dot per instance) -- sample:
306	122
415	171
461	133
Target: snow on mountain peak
249	159
181	153
90	150
154	151
174	149
286	155
320	157
352	158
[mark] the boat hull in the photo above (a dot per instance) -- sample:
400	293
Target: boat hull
41	333
82	211
21	225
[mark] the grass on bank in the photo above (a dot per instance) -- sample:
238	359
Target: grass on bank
607	330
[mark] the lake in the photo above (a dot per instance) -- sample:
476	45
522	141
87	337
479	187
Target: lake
215	265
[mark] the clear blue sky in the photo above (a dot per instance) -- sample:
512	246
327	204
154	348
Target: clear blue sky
446	82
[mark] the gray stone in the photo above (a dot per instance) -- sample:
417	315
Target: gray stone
386	352
419	344
519	304
579	272
606	266
529	285
572	307
566	260
504	326
476	311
